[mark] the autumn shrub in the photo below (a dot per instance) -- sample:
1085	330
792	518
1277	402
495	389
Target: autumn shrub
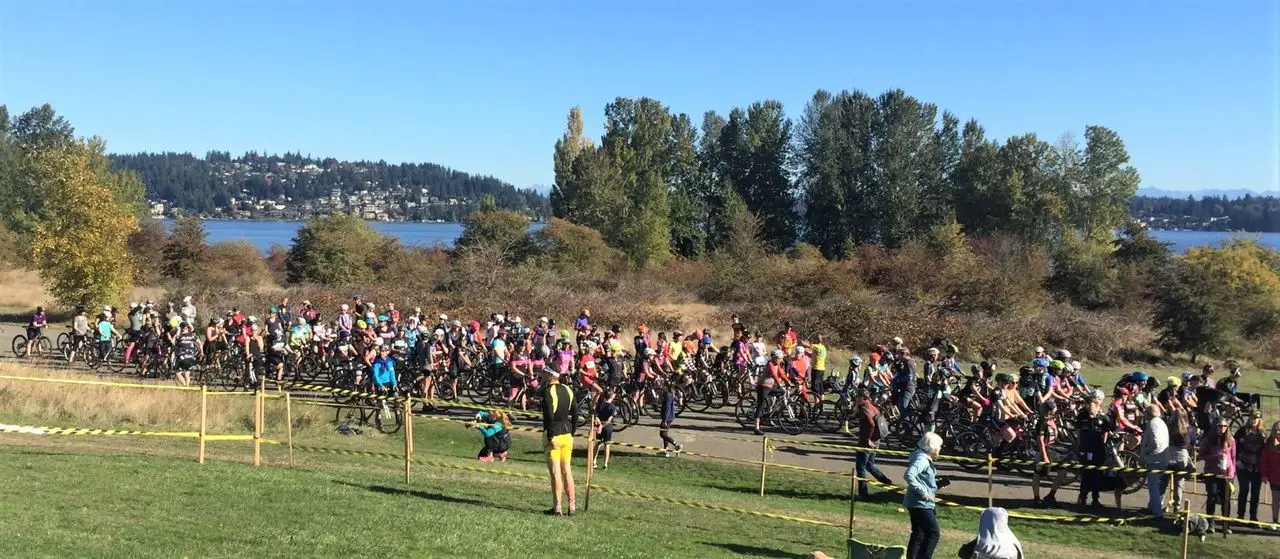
146	250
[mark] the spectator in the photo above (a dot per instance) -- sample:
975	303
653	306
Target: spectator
995	540
1218	451
1269	467
1250	439
493	426
1154	452
870	423
922	490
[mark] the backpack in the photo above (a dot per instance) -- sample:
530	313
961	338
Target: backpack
881	426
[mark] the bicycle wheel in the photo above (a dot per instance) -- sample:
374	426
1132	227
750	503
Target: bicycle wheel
744	412
792	416
699	397
971	444
64	344
1133	481
626	415
388	417
831	416
19	346
46	346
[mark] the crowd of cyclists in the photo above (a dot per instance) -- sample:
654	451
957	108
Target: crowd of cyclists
1042	412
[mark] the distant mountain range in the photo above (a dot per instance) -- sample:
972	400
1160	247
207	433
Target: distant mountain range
1230	193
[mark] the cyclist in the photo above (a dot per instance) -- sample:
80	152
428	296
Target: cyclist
384	370
35	329
603	423
79	332
105	331
215	339
588	371
773	376
904	381
185	350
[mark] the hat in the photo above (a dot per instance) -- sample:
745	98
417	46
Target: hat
1039	349
543	320
186	299
444	317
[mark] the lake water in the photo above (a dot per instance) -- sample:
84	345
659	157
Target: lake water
263	234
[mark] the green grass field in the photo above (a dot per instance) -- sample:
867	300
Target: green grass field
136	497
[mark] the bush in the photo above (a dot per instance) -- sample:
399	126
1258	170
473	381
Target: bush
570	248
186	251
335	250
146	250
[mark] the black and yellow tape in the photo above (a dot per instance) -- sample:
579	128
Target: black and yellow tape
34	430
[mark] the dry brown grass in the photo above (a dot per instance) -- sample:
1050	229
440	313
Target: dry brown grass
109	407
21	289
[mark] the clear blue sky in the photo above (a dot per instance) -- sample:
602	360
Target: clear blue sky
484	86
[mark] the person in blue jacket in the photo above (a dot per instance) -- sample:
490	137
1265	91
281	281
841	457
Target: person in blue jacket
384	368
494	425
921	497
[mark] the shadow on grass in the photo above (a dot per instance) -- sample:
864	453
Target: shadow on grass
755	551
397	491
788	493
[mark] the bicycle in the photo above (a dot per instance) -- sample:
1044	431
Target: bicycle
43	346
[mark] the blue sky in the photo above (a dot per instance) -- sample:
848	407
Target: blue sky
484	86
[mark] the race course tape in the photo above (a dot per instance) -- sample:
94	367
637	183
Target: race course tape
30	430
102	383
948	458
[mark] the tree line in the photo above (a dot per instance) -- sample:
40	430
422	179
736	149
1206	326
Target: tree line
854	169
205	184
1210	213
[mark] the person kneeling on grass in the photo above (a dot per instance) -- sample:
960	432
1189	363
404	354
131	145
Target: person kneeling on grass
494	425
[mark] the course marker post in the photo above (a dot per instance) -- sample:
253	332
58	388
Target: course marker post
204	414
1186	526
764	461
408	435
853	488
591	450
991	465
258	402
288	422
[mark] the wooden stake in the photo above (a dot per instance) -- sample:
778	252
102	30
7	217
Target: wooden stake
258	404
853	491
204	415
408	436
288	420
1186	527
991	465
764	461
591	450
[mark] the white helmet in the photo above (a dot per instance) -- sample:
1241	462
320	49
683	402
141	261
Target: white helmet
444	317
897	340
516	320
498	318
1075	366
1039	349
439	334
591	346
1063	355
186	299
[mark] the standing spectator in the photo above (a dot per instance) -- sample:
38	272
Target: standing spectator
922	490
819	373
904	382
995	540
188	311
1218	451
1179	427
668	418
557	427
1154	452
1269	466
870	423
1249	440
603	424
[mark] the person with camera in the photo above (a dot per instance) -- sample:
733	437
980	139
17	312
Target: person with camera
921	498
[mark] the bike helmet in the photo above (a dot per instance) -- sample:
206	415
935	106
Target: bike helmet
1139	377
1039	350
1075	366
778	353
1174	381
382	318
1153	383
590	345
361	324
1057	365
855	361
1003	379
377	342
1040	362
1063	355
399	344
1095	395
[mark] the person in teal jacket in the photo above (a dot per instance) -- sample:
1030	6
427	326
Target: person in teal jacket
384	368
922	491
494	426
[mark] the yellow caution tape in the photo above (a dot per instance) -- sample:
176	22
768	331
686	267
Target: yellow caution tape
228	437
32	430
101	383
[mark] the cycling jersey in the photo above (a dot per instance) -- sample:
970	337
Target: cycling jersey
384	371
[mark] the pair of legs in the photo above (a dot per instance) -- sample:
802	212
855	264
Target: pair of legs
866	465
924	534
1250	488
664	431
1217	492
604	441
559	455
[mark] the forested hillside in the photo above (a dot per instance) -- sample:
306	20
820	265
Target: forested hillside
209	184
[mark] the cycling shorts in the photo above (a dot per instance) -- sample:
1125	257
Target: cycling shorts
560	449
33	334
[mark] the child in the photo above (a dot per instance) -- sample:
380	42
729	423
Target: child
494	426
603	424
